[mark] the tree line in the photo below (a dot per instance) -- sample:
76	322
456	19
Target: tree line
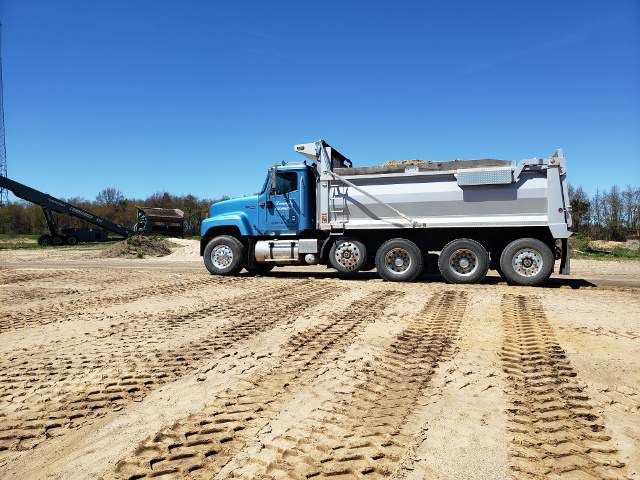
612	214
27	218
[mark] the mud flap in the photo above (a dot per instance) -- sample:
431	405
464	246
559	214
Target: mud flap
251	253
565	263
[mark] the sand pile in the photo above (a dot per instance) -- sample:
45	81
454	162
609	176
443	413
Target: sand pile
184	250
140	246
607	246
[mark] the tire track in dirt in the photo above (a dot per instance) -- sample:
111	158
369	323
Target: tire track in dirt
19	295
42	315
203	443
11	277
25	278
362	431
604	332
126	376
554	426
49	368
143	323
29	288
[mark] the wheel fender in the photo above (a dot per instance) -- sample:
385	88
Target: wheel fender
326	247
235	220
232	224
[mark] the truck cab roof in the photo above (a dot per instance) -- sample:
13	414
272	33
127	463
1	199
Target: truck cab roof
292	165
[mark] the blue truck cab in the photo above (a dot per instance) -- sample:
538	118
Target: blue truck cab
285	206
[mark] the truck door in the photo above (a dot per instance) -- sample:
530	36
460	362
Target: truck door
281	204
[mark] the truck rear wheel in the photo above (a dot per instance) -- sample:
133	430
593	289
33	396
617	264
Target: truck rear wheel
348	255
224	255
526	261
463	261
399	260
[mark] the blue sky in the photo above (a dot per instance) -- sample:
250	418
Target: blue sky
202	96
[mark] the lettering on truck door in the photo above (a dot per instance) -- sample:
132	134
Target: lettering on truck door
282	214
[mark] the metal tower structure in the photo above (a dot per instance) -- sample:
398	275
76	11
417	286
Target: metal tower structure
4	198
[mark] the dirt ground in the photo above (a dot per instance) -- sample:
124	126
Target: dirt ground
151	368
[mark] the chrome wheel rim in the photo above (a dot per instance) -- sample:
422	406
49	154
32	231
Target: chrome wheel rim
221	256
397	260
527	262
463	261
348	255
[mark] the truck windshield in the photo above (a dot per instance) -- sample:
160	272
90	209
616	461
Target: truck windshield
266	182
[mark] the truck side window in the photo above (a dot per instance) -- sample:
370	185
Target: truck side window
286	182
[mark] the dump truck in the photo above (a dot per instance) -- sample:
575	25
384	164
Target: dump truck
474	214
160	221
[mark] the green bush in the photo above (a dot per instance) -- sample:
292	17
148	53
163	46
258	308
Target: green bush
579	242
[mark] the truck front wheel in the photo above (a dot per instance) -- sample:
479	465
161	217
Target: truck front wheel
224	255
526	261
399	260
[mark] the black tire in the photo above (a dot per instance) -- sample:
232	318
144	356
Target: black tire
44	240
221	261
57	240
72	240
260	268
348	255
463	261
499	270
399	249
526	261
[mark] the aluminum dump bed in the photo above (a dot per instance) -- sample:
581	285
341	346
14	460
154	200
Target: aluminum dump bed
485	193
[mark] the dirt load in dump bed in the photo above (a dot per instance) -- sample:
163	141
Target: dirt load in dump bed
399	166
